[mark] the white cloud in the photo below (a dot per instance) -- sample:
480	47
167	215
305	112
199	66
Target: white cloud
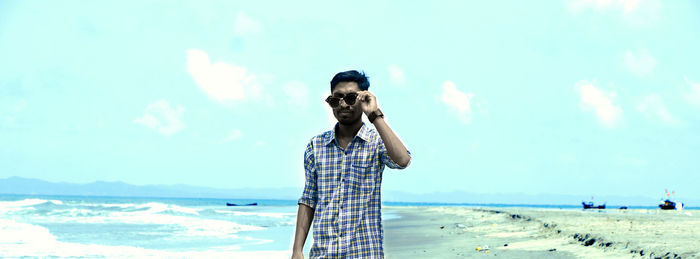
457	100
10	109
600	102
245	26
653	106
233	135
221	81
693	96
396	75
163	118
640	62
633	12
604	5
297	93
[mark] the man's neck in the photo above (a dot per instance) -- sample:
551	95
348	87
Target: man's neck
348	131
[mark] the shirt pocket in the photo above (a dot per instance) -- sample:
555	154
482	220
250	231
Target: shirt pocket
362	177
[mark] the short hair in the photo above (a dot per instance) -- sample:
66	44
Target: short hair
351	76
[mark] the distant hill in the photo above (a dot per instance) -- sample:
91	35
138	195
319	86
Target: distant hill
19	185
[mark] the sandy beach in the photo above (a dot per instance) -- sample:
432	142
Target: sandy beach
470	232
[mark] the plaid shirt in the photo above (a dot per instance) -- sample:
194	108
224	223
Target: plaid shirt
344	188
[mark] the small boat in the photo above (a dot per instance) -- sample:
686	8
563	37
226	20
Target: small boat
248	204
589	205
670	205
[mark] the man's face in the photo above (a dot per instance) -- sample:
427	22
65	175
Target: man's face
347	114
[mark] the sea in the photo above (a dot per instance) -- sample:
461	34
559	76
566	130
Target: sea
128	227
52	226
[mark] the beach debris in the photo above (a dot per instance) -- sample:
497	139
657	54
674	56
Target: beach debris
459	225
552	250
505	244
484	249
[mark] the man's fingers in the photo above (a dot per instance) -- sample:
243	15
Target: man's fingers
362	95
366	96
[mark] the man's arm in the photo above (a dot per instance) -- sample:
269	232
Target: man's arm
307	203
394	147
305	216
397	151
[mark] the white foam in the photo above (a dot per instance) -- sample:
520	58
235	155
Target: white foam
153	207
12	232
113	205
6	210
26	240
152	213
191	226
23	205
256	214
26	203
65	249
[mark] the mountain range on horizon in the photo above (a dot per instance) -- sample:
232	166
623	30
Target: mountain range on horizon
29	186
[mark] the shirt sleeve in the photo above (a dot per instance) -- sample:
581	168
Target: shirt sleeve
384	156
309	196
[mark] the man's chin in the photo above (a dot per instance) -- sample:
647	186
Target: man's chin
346	121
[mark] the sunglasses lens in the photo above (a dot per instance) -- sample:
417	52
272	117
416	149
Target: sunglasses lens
350	99
333	101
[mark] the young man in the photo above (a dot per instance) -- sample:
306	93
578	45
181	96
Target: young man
344	174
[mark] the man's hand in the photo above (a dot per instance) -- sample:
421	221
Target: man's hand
305	216
367	101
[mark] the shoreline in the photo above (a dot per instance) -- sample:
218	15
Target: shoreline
458	232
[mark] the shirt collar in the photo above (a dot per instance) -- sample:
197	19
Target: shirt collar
363	133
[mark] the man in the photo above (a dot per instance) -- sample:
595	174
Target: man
344	175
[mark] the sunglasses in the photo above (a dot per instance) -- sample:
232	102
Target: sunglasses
334	101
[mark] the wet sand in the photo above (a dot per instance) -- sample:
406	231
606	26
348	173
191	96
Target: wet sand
470	232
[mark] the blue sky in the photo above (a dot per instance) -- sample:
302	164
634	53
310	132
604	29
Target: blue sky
572	97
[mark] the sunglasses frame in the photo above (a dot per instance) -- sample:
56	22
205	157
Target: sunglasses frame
331	99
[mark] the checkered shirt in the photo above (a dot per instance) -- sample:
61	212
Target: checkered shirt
344	188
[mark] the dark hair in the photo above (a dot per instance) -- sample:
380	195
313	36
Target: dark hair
351	76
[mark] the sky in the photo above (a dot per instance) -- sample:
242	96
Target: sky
572	97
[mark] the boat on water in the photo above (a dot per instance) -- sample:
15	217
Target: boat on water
247	204
670	205
590	205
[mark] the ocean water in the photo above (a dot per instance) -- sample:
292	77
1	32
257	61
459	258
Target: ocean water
124	227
